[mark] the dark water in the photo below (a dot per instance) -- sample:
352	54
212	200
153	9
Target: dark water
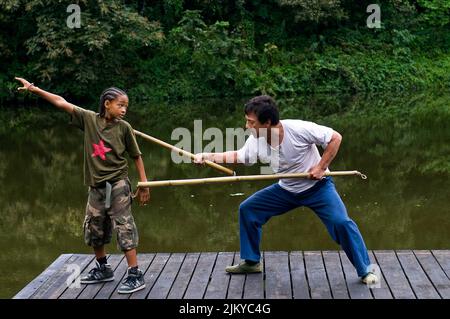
400	143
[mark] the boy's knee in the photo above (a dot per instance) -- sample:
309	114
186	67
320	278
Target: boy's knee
127	235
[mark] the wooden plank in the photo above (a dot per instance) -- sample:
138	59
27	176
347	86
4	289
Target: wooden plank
58	284
109	287
300	288
394	275
165	281
152	274
74	292
184	276
218	286
434	272
82	262
253	287
254	283
356	288
91	290
335	274
144	261
383	291
317	278
405	274
278	279
237	282
197	286
37	282
418	280
47	286
443	258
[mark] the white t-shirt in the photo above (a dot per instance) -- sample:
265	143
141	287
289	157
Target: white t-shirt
296	154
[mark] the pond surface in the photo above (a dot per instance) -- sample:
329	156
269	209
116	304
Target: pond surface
400	142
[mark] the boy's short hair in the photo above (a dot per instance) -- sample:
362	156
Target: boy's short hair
265	108
108	95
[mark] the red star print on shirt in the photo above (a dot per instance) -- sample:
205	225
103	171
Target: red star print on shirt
100	150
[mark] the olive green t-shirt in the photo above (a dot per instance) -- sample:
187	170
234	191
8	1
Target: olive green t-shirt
105	144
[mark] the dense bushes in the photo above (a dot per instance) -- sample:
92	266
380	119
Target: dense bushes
175	49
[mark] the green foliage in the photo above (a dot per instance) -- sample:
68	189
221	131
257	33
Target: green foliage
198	59
316	11
437	12
76	60
176	49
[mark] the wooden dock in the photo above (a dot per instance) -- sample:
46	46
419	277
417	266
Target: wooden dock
406	274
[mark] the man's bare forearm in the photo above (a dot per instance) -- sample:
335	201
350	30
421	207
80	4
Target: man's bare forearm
222	158
331	150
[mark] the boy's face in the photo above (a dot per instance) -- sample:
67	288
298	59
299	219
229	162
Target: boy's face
258	129
118	107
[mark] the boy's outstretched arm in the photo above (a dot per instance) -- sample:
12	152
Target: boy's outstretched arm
143	193
56	100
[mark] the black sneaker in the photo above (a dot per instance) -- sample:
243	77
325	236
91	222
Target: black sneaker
133	282
98	274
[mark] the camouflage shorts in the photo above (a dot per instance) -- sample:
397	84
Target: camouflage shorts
99	221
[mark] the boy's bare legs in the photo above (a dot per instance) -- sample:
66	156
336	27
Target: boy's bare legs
131	256
99	252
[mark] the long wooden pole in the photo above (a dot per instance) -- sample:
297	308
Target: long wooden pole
183	152
227	179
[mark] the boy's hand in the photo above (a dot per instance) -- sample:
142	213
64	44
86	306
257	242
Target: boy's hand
25	83
143	195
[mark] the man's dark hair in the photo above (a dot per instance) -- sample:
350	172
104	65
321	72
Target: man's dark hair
264	107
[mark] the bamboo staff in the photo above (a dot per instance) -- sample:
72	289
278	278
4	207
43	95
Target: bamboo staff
185	153
213	180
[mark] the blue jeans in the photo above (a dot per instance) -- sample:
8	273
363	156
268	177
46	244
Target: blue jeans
322	198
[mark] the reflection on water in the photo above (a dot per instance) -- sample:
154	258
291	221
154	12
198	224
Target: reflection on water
401	143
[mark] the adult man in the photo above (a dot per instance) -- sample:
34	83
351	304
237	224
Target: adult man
290	147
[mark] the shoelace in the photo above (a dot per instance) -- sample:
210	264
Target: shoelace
96	272
131	281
